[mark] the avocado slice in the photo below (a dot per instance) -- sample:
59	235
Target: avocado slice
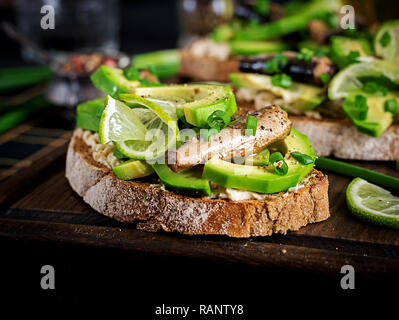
245	47
132	169
187	181
299	96
341	47
200	100
112	81
377	120
88	114
263	179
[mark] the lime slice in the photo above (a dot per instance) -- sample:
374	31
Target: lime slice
119	123
139	133
386	41
373	203
161	131
348	80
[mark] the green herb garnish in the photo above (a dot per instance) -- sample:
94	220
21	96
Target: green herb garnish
282	80
325	78
391	105
305	54
302	158
385	40
250	125
262	7
218	120
374	88
279	165
276	64
357	108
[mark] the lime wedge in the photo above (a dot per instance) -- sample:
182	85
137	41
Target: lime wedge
144	132
161	131
373	203
386	41
348	81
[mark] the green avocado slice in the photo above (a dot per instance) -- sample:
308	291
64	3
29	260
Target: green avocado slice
112	81
187	181
199	100
263	179
299	96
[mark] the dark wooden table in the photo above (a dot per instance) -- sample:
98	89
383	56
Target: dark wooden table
37	204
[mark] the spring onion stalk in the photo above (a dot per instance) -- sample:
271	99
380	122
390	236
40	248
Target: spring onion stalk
16	78
292	23
13	118
355	171
250	125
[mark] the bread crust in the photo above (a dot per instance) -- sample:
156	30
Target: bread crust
154	208
341	139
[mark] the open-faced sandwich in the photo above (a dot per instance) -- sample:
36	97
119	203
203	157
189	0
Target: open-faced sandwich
339	86
182	158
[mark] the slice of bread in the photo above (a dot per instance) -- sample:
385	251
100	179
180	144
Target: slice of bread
341	139
152	208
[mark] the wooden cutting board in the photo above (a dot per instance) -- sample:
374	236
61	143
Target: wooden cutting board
37	204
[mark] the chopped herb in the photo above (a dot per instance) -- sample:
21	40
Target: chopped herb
144	197
391	105
302	158
276	64
250	125
352	57
357	108
305	54
279	164
218	120
374	88
282	80
385	40
131	73
325	78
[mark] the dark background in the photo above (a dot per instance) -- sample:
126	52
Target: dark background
116	279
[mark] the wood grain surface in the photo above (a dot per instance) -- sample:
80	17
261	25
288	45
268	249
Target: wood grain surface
38	204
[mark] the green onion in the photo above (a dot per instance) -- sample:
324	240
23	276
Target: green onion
279	164
374	88
385	39
259	159
325	78
302	158
282	80
352	57
355	171
305	54
276	64
131	73
357	108
218	120
391	105
250	125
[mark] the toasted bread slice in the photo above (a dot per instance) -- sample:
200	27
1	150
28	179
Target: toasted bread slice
341	139
153	208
